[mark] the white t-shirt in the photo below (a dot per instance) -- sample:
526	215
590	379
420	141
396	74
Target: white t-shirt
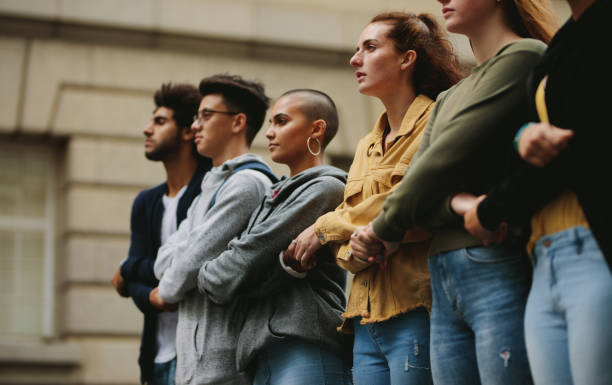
167	321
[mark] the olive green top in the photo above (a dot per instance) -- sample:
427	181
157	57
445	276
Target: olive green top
465	147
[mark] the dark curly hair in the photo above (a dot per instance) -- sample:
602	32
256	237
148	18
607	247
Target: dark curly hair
183	99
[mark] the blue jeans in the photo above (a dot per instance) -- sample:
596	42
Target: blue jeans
569	311
479	296
297	362
163	374
393	352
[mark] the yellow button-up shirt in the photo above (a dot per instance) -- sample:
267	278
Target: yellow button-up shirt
377	293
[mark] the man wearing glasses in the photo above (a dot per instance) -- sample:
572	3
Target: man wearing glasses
156	212
231	113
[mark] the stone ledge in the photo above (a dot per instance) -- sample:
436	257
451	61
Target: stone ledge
57	354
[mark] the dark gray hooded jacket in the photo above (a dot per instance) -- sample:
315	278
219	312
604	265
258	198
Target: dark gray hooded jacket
273	305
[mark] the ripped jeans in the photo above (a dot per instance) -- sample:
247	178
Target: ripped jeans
479	296
392	352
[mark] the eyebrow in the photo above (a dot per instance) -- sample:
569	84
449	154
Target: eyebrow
278	116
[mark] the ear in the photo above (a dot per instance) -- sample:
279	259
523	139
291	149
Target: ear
408	59
187	134
239	123
319	127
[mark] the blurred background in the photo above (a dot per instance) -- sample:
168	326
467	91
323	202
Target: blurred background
77	79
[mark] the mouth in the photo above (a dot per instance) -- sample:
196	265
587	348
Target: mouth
272	146
360	76
197	139
148	143
446	11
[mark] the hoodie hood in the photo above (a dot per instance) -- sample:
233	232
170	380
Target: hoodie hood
281	190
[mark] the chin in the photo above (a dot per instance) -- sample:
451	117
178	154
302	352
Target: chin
203	151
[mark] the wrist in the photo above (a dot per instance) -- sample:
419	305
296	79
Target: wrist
518	134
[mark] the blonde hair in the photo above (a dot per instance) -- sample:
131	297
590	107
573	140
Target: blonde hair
532	18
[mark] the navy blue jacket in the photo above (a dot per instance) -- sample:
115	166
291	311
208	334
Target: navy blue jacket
137	270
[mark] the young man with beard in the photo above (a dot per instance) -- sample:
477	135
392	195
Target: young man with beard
156	212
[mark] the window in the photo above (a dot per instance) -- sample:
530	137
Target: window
27	215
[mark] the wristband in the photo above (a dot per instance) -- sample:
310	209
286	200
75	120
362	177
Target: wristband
518	135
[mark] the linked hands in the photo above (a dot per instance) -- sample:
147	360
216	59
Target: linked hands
368	247
466	205
540	143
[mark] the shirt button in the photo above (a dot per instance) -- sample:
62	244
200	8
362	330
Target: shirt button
365	283
547	243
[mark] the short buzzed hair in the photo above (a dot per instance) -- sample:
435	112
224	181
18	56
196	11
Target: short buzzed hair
319	106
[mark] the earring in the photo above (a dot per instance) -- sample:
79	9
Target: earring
308	145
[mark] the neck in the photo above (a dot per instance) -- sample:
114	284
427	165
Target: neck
579	6
306	163
396	105
179	170
490	36
235	146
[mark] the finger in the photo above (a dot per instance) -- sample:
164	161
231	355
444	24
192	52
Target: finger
290	252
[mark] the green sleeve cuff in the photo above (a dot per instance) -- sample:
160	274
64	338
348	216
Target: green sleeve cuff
386	231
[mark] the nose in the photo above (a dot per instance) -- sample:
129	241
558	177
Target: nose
270	132
196	126
355	59
148	129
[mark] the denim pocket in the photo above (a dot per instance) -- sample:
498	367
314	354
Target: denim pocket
497	254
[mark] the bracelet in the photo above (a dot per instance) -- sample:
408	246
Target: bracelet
518	135
289	270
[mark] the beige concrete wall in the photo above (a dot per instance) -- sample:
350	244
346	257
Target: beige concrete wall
85	71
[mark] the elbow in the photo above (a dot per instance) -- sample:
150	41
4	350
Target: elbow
217	293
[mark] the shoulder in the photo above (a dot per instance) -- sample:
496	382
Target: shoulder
523	52
246	181
150	195
330	183
525	45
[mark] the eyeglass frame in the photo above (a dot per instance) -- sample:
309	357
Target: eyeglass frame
199	118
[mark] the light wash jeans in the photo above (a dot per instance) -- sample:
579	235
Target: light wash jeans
393	352
568	324
479	296
297	362
163	374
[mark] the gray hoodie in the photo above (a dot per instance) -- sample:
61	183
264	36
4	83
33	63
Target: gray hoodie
275	305
206	335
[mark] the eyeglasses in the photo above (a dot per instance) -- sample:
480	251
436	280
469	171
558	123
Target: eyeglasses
206	113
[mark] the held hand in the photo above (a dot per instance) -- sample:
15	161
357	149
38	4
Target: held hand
119	284
159	303
473	226
300	255
461	202
366	245
540	143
